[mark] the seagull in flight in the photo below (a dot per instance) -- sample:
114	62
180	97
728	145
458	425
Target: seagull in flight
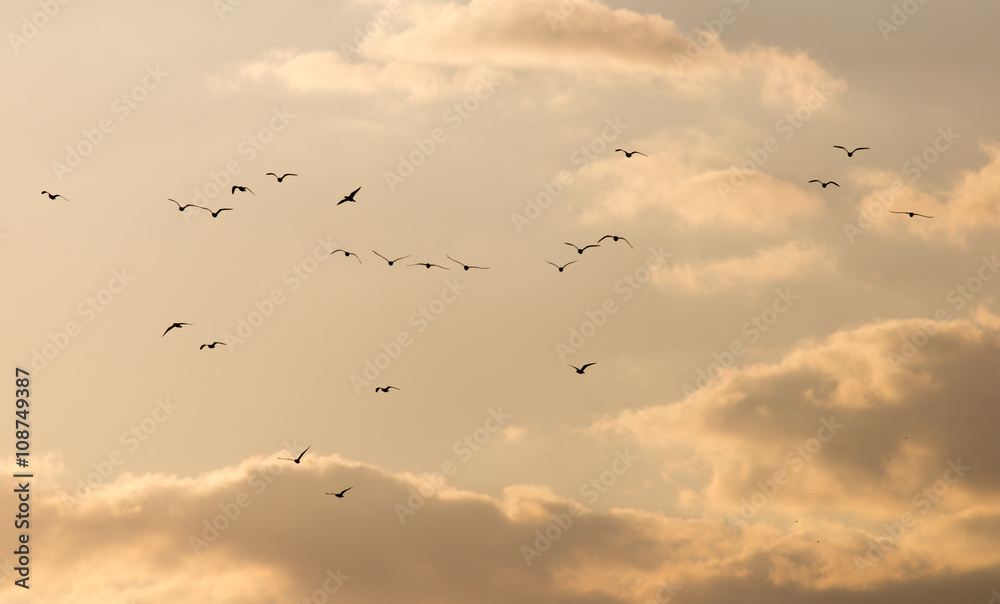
580	370
615	238
911	214
184	207
385	388
631	153
280	178
824	183
346	253
390	261
563	266
299	458
850	153
177	325
52	195
216	213
430	264
212	345
243	189
349	197
464	265
579	250
340	495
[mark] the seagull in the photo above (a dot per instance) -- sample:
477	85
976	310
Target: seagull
244	189
390	261
346	253
52	195
615	238
563	266
579	250
911	214
184	207
850	153
385	389
430	264
349	197
297	459
824	183
340	495
464	265
212	345
177	325
631	153
216	213
280	178
580	370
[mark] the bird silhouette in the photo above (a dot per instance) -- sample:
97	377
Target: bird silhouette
52	195
911	214
631	153
464	265
563	266
346	253
280	178
615	238
430	264
243	189
824	183
349	197
579	250
391	262
340	495
177	325
850	153
299	458
184	207
385	388
216	213
580	370
212	345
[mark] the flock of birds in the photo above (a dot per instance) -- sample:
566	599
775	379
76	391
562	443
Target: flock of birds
850	153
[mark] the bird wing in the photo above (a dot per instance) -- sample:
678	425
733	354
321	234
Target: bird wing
553	264
302	453
199	348
271	174
289	174
591	245
860	149
587	365
833	183
234	189
924	215
346	490
168	329
605	237
640	153
840	147
175	201
622	150
814	180
626	241
453	260
354	192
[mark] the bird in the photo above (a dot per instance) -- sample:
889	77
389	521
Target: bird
563	266
216	213
177	325
52	195
615	238
631	153
184	207
212	345
464	265
580	370
390	261
430	264
280	178
346	253
384	388
349	197
824	183
911	214
850	153
579	250
340	495
244	189
299	458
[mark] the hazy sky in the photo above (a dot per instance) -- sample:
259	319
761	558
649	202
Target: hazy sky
795	391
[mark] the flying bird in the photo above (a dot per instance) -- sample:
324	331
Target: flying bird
615	238
340	495
563	266
52	195
631	153
824	183
580	370
430	264
911	214
390	261
299	458
216	213
579	250
177	325
184	207
212	345
349	197
385	388
346	253
850	153
243	189
280	178
464	265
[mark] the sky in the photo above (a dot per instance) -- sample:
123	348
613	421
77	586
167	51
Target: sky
793	390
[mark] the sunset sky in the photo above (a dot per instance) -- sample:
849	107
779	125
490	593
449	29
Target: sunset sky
794	391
